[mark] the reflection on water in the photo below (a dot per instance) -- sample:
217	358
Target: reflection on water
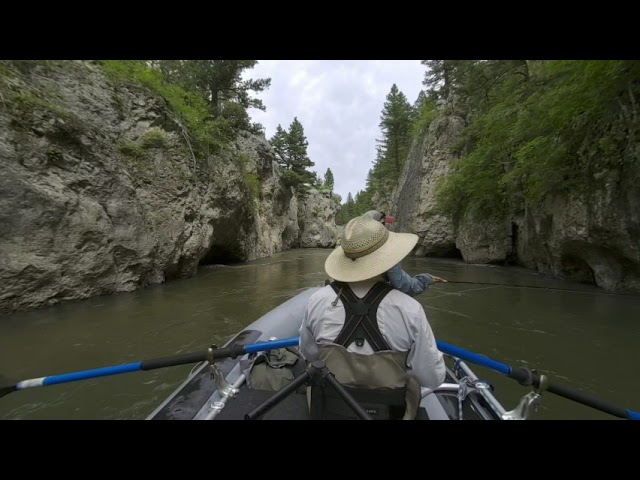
583	338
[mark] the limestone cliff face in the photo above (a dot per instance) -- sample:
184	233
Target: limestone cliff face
413	201
591	234
101	191
317	214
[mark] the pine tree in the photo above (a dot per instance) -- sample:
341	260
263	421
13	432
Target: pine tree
291	154
280	144
218	81
297	149
350	207
328	179
396	124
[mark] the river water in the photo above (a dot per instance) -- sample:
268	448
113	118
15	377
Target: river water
579	335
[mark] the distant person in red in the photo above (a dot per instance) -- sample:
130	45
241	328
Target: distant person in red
398	278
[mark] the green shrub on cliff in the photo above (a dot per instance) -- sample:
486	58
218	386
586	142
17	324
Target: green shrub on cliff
189	106
213	120
531	125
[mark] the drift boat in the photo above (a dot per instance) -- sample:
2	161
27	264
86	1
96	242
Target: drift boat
219	390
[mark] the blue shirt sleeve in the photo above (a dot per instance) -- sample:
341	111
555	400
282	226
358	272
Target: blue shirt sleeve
402	281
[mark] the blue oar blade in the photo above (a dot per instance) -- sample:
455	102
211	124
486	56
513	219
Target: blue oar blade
74	376
97	372
631	415
473	357
285	342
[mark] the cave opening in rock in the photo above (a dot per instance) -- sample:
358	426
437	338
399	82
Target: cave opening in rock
453	252
222	255
445	251
576	268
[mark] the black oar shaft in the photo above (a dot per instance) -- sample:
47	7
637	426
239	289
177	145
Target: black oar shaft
586	399
173	361
233	351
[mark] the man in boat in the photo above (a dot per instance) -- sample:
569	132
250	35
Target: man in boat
397	277
375	339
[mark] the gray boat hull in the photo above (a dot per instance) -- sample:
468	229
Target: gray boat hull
220	392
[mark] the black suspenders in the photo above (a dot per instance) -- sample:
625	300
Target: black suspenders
361	320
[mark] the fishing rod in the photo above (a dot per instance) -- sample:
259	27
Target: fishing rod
540	287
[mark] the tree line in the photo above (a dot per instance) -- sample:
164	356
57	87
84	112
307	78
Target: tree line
530	124
400	122
290	147
213	99
536	128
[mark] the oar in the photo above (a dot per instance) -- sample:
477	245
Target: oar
210	355
524	376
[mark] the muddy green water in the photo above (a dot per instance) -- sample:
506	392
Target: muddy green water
581	337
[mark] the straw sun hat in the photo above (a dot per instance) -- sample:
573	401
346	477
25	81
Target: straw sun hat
367	250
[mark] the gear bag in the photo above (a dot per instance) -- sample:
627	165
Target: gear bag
274	369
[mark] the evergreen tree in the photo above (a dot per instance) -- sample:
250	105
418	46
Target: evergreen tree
396	124
297	149
280	144
218	81
291	154
533	123
328	179
350	207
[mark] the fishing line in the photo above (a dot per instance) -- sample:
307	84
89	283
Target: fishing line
542	287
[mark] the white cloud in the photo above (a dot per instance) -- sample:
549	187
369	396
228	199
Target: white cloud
339	103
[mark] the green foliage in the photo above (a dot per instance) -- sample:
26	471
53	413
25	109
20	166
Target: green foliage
218	81
31	102
279	142
328	179
426	114
297	180
208	95
297	147
156	138
253	182
355	206
291	155
191	107
132	150
347	211
396	124
317	181
531	124
27	101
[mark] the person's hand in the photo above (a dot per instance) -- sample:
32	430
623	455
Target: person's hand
435	279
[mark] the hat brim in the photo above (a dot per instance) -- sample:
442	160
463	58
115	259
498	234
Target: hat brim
343	269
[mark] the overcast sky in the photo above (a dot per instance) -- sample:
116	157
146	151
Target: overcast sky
339	103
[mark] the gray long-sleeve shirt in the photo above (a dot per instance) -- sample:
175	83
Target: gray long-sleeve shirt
404	282
402	322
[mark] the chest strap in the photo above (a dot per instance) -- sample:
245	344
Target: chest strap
361	320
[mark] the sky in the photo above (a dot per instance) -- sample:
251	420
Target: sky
339	103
